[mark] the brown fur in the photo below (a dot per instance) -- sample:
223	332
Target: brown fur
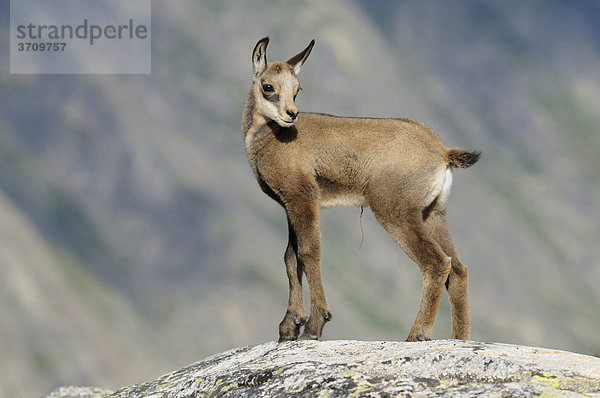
398	167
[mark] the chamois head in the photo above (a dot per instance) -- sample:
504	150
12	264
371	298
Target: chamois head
276	84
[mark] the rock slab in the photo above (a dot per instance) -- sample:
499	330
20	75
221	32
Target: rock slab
442	368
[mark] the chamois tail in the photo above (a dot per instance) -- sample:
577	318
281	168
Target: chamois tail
463	158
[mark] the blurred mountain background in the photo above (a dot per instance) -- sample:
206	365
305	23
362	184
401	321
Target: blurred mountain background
135	240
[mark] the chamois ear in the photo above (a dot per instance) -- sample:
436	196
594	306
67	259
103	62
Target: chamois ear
298	60
259	56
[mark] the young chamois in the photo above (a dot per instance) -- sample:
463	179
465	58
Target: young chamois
397	167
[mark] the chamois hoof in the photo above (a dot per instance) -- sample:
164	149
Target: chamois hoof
289	336
308	336
289	328
283	339
314	326
419	337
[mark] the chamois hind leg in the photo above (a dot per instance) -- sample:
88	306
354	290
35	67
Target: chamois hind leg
295	316
410	232
304	219
458	279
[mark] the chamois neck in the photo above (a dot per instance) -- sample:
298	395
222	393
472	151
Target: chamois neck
251	120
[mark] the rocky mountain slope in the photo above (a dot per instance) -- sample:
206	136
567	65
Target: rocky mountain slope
133	231
367	369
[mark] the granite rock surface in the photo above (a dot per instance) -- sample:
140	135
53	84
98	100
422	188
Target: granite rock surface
371	369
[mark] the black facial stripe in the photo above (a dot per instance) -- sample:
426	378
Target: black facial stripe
271	98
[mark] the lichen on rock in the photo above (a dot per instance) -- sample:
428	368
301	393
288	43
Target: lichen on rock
365	369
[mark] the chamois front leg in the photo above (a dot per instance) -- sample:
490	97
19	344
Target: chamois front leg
304	219
295	316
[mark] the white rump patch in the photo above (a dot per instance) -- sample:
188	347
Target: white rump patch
446	185
441	188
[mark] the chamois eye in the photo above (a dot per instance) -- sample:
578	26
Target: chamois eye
268	88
